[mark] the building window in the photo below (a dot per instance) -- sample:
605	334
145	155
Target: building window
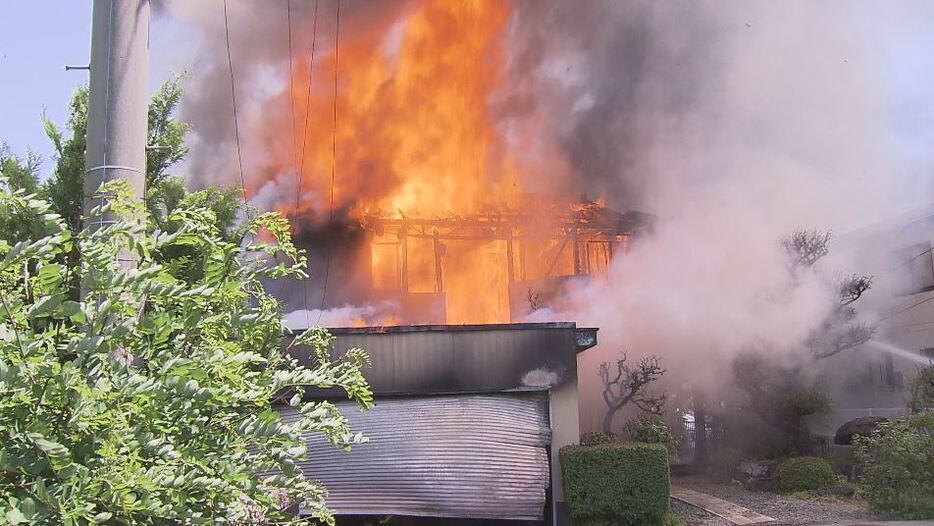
916	268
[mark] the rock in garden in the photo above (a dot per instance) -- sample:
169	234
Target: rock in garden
863	426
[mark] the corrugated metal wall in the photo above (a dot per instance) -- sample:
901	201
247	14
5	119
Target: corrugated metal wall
478	456
413	361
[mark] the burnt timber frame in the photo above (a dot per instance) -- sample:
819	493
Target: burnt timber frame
589	224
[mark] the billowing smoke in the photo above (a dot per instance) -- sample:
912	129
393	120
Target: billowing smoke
737	122
373	314
734	121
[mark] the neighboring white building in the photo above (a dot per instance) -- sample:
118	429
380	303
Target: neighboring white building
872	380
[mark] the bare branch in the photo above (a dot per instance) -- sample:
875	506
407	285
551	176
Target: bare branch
835	342
629	385
806	247
852	288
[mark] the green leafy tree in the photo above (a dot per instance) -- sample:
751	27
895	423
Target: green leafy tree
166	138
20	173
149	400
782	394
65	187
166	135
782	397
841	330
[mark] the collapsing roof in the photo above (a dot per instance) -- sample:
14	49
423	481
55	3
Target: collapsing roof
438	265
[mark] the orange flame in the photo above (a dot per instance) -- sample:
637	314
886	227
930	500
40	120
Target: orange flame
414	134
415	138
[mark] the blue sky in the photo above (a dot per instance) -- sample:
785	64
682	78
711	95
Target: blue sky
37	39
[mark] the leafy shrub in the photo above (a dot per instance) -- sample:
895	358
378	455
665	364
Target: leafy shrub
804	474
922	390
651	429
595	439
621	484
724	461
898	479
148	400
843	460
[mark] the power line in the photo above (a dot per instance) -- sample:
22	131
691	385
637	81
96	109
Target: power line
909	260
233	98
906	309
300	169
311	69
327	264
288	9
294	215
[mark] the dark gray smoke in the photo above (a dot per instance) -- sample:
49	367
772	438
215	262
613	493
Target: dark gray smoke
605	74
259	48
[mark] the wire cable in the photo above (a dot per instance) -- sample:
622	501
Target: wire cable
288	13
906	309
300	169
288	9
327	264
909	260
233	99
311	69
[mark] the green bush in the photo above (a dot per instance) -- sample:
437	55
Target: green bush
898	479
595	439
651	429
804	474
922	390
843	460
148	399
619	484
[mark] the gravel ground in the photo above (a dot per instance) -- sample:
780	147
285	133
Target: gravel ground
695	516
786	510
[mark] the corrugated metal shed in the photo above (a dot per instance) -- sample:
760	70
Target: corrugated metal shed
478	456
462	358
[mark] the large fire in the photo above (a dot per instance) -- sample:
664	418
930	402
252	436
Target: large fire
418	160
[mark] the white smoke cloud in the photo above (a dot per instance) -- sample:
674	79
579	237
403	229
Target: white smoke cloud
745	121
375	314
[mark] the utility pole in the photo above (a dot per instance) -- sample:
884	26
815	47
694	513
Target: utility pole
117	105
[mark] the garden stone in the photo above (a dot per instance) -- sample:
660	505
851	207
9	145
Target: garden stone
863	426
754	469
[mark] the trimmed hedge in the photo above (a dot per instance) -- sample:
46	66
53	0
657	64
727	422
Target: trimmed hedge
595	439
804	474
619	484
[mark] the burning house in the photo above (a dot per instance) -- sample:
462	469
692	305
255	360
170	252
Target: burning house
434	222
417	194
495	268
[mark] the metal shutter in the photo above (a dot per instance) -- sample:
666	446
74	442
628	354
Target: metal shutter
477	456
